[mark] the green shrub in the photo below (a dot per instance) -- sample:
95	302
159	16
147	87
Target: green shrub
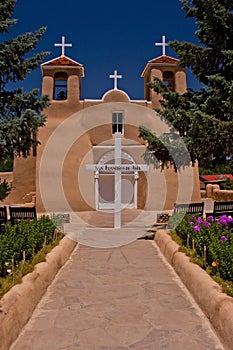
6	165
228	185
22	241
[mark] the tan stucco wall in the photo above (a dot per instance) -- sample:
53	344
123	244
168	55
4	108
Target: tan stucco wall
73	149
213	192
24	182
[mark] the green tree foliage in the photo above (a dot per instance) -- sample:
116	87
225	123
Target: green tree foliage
203	118
20	112
5	189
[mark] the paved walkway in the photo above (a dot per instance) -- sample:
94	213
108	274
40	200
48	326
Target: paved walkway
121	298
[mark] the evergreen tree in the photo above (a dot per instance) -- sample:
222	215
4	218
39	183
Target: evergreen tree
203	118
20	112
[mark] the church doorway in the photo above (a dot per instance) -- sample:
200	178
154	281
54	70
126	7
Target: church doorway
105	185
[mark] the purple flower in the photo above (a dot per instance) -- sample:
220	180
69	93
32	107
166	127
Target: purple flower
196	228
191	223
210	218
205	224
223	220
223	239
199	220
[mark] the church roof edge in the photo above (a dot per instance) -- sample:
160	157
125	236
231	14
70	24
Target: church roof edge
115	91
62	61
164	59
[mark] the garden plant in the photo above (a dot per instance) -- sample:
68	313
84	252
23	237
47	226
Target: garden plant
209	242
22	245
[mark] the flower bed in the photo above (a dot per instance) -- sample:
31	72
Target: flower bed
209	241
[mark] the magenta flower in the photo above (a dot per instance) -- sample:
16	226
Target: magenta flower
223	220
210	218
191	223
223	239
196	228
199	220
205	224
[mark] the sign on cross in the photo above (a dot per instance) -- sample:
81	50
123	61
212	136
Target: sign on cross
117	168
63	45
115	77
163	44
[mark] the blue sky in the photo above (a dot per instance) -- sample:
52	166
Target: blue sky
105	36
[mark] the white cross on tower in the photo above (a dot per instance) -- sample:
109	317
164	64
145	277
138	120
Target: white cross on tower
63	45
163	44
115	77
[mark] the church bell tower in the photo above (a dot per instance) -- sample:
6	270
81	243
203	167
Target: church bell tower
165	68
62	78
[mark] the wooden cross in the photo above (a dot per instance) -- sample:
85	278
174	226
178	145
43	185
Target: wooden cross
163	44
63	45
115	77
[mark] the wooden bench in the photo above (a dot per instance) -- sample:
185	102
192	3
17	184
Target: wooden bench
190	208
22	213
222	208
3	217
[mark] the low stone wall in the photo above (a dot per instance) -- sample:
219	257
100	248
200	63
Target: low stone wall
213	192
16	306
217	306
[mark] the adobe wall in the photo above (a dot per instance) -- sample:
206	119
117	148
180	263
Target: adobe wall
74	144
213	192
23	181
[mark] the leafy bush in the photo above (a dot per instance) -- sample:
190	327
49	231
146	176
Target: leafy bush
228	185
6	165
22	241
5	189
212	240
226	168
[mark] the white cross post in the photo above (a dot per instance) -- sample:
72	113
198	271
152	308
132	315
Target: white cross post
117	200
63	45
117	168
163	44
115	77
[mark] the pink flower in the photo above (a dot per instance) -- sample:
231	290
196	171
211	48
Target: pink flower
196	228
191	223
223	239
205	224
223	220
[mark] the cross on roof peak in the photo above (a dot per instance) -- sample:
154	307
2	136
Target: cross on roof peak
163	44
115	77
63	45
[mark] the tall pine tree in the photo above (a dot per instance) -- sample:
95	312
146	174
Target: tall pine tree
203	118
20	112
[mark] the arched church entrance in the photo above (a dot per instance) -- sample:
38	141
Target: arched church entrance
104	183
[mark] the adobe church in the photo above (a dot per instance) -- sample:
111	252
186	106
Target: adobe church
79	132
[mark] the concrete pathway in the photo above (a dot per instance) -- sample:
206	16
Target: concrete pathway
95	228
122	298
